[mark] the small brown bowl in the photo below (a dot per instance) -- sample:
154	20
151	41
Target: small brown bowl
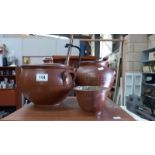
91	98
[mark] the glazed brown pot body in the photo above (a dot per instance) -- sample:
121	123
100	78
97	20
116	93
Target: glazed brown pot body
48	91
95	73
91	98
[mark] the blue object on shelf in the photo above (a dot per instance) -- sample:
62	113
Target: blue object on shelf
83	48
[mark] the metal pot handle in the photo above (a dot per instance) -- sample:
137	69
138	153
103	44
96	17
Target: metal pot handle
70	46
69	50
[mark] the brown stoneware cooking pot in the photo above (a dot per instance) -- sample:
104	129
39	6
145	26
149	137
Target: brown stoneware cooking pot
47	84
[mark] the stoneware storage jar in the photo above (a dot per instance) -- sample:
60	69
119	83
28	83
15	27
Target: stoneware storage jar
95	73
46	84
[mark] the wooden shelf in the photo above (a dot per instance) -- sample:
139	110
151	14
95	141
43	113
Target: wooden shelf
149	50
7	67
148	84
152	97
11	96
148	61
149	73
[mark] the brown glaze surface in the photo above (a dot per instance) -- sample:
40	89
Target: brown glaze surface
95	73
52	91
67	111
91	98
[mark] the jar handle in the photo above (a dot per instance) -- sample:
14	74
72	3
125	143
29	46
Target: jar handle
65	75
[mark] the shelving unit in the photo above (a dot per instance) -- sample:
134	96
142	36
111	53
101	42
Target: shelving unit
148	61
148	84
10	94
150	97
133	83
148	73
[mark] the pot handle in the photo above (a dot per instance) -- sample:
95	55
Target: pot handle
65	75
71	45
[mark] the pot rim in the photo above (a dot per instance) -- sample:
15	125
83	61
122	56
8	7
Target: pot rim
86	88
53	65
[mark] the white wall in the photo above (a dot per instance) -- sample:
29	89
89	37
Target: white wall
134	45
37	46
151	41
106	46
14	44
